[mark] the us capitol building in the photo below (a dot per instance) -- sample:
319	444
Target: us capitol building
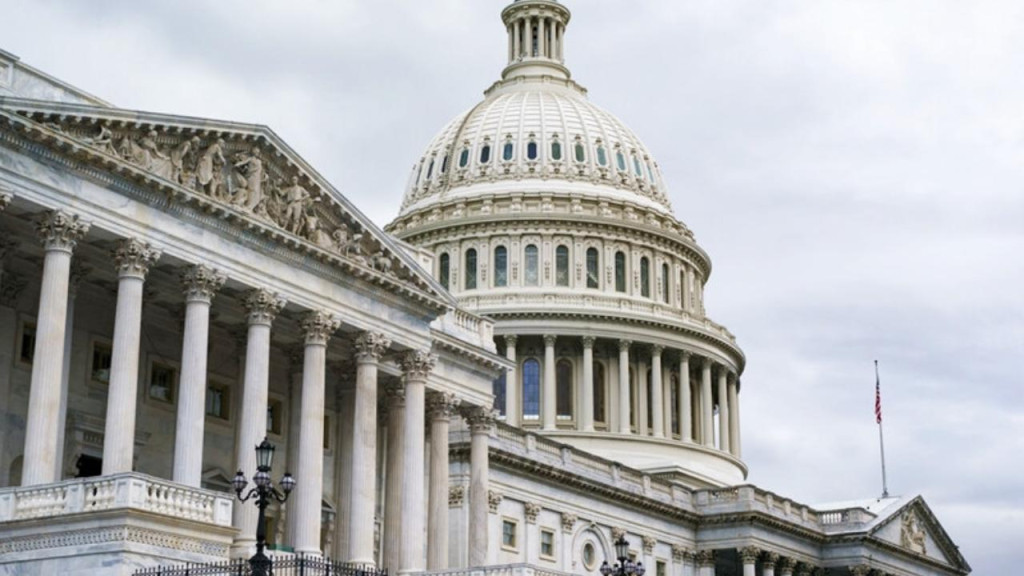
513	374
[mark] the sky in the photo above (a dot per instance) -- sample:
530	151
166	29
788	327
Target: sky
853	168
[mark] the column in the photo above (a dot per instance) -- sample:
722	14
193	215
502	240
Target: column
707	409
296	357
587	393
59	233
262	306
394	481
641	398
416	366
706	562
481	422
133	259
369	348
734	417
786	566
723	408
511	46
78	272
684	398
317	326
512	393
517	39
541	39
624	398
200	283
768	563
343	458
749	556
440	409
666	397
656	399
549	399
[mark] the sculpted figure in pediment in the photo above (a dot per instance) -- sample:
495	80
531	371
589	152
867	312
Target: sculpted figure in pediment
183	162
209	171
248	180
317	235
297	199
103	141
147	155
912	535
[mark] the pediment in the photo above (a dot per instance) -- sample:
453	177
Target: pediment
243	173
914	528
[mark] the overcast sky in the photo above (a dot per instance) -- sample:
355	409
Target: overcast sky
854	168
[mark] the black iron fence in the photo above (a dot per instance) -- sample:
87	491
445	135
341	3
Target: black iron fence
298	565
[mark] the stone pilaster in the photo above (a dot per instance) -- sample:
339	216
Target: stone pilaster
734	417
78	273
723	408
624	396
586	419
440	409
481	423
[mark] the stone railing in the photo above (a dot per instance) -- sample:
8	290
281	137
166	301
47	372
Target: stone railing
120	491
467	326
752	499
501	570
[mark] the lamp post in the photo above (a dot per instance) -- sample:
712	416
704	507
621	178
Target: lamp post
625	566
262	493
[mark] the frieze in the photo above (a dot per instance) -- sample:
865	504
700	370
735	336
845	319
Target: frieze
92	537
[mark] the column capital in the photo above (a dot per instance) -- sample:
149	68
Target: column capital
657	349
860	570
787	564
649	543
549	339
60	230
770	559
318	326
480	419
532	510
133	257
418	364
684	356
706	558
624	345
706	363
441	405
588	342
680	552
200	283
263	306
370	347
749	554
494	499
510	340
569	522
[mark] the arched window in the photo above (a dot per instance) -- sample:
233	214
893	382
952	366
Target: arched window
485	154
593	269
556	150
464	158
621	161
531	150
634	398
471	269
563	390
498	388
444	164
430	169
531	389
501	266
645	277
562	266
580	152
650	173
532	266
674	401
599	397
620	271
665	296
508	151
445	271
650	405
602	156
636	167
419	173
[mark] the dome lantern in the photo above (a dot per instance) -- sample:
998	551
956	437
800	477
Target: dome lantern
536	38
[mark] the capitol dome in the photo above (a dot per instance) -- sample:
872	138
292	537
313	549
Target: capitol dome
545	213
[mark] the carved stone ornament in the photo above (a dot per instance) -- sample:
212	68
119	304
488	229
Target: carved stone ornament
860	570
912	535
681	553
441	405
5	199
456	495
371	346
263	306
532	510
133	258
480	419
624	345
568	522
494	499
787	564
60	230
318	326
549	339
618	533
770	559
588	342
417	365
649	543
706	558
802	569
749	554
200	283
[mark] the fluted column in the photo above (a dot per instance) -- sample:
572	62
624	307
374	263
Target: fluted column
133	259
369	347
516	40
416	366
481	422
440	409
512	393
317	327
624	397
59	233
262	307
723	408
657	409
707	408
541	40
549	400
768	561
734	417
749	556
78	271
296	358
587	393
395	480
343	459
706	562
685	399
200	284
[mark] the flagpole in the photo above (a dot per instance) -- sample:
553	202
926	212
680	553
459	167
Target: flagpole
881	438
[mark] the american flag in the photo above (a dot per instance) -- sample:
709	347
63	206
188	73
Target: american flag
878	399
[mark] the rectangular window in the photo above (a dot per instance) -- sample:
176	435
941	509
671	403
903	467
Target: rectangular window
660	569
327	431
275	416
532	266
27	342
501	266
547	544
508	534
217	400
99	370
163	381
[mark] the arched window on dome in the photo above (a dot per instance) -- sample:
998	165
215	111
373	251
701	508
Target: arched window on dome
430	169
563	390
500	266
556	151
531	389
562	266
620	160
444	164
581	153
645	277
464	158
665	294
593	269
531	150
602	155
444	270
419	173
471	269
636	167
650	172
498	388
532	274
620	271
485	154
508	152
599	394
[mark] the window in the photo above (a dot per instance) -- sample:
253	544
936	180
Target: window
275	416
650	173
599	400
556	150
650	405
532	266
27	342
659	569
471	269
430	169
621	161
217	400
531	389
445	265
563	390
589	556
163	380
593	269
498	388
620	271
580	152
674	401
531	151
501	266
547	544
636	167
645	277
665	294
508	152
99	370
444	164
464	158
562	266
508	534
602	156
485	154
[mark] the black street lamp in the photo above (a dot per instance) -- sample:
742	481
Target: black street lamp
625	566
263	493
